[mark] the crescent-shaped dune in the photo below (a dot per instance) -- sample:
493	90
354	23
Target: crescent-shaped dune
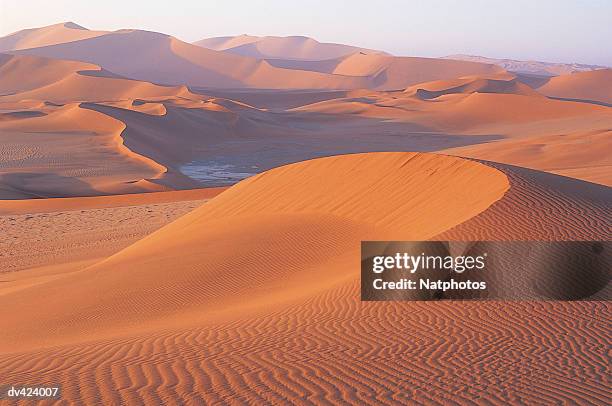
287	233
253	297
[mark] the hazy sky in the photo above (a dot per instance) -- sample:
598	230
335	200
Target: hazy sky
548	30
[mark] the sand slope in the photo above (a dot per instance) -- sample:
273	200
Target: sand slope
527	129
71	151
334	214
26	77
301	333
270	47
590	86
500	84
43	36
162	59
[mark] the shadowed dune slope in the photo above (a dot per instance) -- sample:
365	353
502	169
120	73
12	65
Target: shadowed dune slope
280	236
83	155
43	36
590	86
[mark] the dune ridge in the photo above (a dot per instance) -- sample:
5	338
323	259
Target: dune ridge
272	47
326	226
49	35
80	178
589	86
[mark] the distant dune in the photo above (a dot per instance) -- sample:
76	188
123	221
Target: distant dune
162	59
24	77
50	35
501	84
588	86
530	67
294	47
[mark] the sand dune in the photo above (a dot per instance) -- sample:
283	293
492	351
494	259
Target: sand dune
43	36
61	81
388	72
500	84
71	151
589	86
326	226
581	154
564	137
270	47
530	67
301	333
128	292
162	59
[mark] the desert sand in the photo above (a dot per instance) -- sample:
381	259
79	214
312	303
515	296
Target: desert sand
137	267
204	320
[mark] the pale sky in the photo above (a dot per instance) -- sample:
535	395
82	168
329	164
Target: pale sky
547	30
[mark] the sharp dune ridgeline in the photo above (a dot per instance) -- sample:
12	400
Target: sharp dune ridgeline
181	222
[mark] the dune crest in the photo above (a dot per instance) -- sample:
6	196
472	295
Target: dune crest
589	86
324	213
272	47
500	84
49	35
162	59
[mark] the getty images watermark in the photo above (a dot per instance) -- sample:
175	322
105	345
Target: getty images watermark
32	392
506	270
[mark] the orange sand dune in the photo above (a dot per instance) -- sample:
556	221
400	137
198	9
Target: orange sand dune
254	297
223	43
579	154
43	36
591	86
564	137
333	213
72	151
162	59
270	47
386	72
390	72
61	81
500	84
23	73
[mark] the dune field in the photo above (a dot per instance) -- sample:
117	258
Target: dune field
181	222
